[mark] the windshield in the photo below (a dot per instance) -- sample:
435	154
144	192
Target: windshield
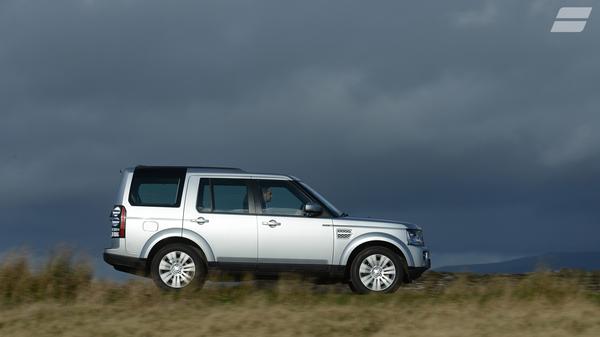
336	212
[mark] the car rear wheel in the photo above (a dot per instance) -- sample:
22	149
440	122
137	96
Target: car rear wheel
178	266
376	270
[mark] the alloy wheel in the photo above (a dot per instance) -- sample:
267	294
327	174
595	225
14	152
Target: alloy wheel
177	269
377	272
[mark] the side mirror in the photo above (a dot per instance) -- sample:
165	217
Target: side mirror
313	209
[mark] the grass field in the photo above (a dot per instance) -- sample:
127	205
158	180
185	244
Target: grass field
59	299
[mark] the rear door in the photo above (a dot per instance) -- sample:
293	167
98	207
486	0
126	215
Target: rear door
222	211
288	239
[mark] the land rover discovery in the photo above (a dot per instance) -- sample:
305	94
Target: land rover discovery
175	224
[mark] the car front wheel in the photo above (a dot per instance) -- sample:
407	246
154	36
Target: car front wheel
376	270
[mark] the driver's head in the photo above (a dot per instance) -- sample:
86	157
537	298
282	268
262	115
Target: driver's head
267	194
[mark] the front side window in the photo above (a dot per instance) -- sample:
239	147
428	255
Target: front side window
223	196
281	198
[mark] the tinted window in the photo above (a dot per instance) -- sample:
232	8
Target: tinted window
156	188
230	196
281	198
204	203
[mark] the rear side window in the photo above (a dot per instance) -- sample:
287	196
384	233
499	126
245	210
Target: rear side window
204	203
157	187
224	196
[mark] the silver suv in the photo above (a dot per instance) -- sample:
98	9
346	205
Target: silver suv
175	224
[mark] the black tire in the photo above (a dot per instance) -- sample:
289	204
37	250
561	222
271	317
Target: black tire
359	287
197	278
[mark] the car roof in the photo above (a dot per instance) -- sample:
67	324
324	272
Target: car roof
216	171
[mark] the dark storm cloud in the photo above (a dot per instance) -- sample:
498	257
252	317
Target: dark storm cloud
467	117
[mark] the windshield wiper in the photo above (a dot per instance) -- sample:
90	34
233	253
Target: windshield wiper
344	214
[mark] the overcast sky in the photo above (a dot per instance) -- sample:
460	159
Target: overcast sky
467	117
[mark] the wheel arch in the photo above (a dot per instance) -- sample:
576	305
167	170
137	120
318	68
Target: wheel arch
166	237
376	239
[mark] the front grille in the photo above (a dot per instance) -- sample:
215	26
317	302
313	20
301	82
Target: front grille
343	233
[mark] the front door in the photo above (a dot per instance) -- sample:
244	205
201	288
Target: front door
222	212
288	239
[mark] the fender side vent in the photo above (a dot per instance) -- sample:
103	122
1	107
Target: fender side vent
343	233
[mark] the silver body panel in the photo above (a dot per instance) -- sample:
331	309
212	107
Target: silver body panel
247	238
297	240
232	237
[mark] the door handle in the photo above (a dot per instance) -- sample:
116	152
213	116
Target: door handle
272	223
200	221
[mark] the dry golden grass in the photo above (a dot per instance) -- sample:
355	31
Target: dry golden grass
61	300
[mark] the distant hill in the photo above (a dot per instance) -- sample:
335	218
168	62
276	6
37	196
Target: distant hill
553	261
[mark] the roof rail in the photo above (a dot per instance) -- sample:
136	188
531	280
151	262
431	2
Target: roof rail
216	168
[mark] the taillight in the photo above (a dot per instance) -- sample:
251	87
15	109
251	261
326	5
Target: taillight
117	217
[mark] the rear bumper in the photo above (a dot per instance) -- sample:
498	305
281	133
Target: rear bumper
126	263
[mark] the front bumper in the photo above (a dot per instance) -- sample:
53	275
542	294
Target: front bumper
126	263
415	272
423	262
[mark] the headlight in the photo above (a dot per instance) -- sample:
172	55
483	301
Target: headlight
415	237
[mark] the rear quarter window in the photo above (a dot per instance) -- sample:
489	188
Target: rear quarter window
159	188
